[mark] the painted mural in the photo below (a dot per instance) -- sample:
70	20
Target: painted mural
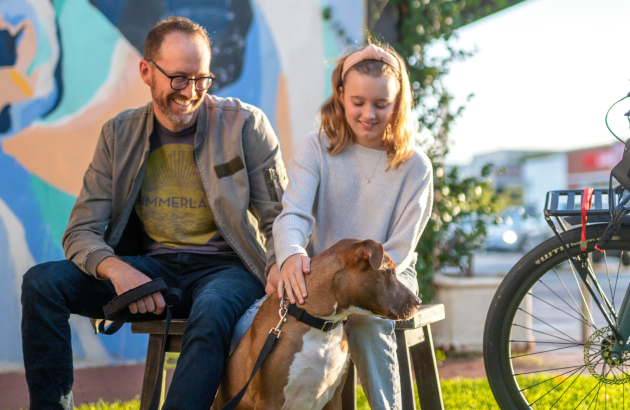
67	66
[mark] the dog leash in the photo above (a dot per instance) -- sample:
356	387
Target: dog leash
298	313
117	311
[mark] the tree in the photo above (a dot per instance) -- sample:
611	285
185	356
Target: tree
463	207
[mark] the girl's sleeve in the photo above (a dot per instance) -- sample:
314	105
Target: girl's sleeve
295	223
412	216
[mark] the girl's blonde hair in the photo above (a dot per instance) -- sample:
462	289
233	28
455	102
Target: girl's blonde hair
400	132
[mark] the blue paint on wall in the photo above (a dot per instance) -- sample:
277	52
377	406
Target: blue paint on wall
25	112
251	66
7	47
5	119
258	83
11	341
113	10
23	203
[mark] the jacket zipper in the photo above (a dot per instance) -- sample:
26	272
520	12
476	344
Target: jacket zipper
133	184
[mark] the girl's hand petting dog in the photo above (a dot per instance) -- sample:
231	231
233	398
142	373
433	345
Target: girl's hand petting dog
290	277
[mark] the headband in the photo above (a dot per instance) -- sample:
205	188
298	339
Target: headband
370	52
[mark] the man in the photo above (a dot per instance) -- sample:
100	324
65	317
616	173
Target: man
172	182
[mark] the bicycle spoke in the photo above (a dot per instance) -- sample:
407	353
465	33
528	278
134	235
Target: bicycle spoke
622	371
610	282
567	313
538	331
595	286
564	392
578	310
587	394
577	282
542	321
571	296
554	387
549	370
617	278
545	351
551	343
545	381
600	386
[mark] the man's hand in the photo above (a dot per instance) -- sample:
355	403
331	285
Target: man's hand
292	277
124	277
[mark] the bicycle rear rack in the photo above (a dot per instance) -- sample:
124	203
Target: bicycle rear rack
567	203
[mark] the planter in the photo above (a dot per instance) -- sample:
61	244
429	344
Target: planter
466	302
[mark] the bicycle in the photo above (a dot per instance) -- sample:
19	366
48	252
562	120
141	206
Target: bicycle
556	335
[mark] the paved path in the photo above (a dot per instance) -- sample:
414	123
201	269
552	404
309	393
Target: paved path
109	383
125	382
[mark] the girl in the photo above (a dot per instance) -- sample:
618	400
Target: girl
362	176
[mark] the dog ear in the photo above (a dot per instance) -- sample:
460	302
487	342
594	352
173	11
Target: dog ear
372	251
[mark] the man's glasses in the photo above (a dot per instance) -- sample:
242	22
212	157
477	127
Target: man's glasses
179	82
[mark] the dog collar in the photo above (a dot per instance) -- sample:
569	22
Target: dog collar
314	322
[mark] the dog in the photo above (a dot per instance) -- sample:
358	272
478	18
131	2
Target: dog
308	367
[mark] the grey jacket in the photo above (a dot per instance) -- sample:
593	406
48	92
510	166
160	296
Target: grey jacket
238	157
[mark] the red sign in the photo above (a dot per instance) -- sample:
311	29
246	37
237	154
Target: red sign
595	159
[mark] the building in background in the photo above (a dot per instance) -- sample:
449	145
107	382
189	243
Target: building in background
66	67
527	176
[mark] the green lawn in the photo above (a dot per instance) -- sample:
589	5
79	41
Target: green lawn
472	394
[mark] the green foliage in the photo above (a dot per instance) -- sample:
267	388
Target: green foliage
456	393
117	405
476	394
463	207
440	356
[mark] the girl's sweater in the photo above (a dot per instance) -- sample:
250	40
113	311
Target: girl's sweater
350	195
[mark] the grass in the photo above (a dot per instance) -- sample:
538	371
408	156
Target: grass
475	394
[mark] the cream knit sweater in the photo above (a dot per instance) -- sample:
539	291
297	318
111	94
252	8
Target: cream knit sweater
351	195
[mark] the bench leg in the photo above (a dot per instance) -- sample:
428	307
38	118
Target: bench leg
349	392
427	378
404	365
151	370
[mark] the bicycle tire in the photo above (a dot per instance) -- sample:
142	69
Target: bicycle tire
528	283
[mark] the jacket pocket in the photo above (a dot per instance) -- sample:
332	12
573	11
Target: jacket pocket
274	187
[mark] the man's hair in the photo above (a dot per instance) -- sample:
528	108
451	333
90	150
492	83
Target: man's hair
161	29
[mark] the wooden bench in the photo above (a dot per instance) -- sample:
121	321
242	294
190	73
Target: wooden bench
415	349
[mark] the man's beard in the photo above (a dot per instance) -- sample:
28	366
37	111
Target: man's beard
176	117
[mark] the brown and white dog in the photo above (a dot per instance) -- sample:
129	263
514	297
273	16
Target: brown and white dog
307	368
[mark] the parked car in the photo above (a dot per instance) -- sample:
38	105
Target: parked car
519	230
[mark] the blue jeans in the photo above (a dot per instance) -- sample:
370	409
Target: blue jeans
217	291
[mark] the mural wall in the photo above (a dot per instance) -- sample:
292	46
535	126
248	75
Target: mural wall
67	66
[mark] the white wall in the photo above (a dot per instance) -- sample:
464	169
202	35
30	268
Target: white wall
543	174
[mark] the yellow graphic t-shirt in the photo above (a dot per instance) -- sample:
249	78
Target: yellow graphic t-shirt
172	203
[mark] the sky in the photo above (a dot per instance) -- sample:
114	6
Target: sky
544	75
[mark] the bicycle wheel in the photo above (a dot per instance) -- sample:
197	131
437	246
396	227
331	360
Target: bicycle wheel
546	343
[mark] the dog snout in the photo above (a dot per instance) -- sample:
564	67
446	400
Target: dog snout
406	310
416	301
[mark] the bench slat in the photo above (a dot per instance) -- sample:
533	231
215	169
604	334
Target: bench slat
413	336
426	315
157	327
